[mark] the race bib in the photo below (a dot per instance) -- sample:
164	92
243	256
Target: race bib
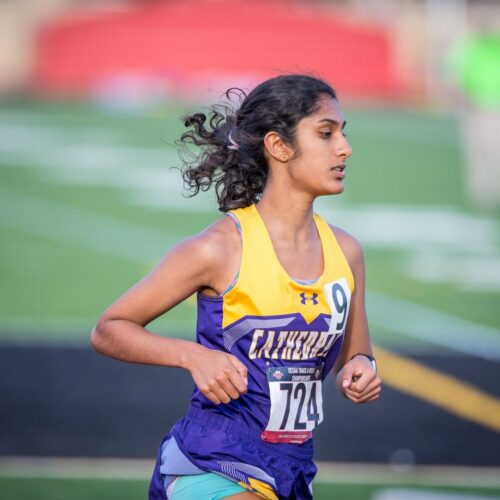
296	403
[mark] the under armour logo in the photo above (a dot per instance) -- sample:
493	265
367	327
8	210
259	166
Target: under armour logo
303	298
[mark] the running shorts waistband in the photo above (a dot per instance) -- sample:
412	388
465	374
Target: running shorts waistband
240	429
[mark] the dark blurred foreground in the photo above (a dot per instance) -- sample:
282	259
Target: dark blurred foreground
73	402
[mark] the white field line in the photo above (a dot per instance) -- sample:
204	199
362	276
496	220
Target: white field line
13	134
67	158
144	175
442	475
405	131
110	236
435	327
395	493
328	472
53	332
437	247
407	227
83	229
441	244
76	468
468	272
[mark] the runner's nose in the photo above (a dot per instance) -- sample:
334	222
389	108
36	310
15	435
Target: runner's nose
344	148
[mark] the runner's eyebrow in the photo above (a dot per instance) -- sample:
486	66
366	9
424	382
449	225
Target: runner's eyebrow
333	122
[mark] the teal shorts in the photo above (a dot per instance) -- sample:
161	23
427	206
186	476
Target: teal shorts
208	486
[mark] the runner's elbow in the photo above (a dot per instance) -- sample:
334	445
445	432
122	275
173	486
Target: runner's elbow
99	337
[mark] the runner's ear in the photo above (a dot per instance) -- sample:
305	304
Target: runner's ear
276	148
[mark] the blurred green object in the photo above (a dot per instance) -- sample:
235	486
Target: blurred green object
477	66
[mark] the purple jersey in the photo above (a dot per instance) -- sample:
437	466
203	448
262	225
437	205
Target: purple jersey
288	333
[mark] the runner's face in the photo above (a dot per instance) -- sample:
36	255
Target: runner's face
323	150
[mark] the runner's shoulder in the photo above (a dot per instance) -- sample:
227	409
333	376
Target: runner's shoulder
214	245
351	247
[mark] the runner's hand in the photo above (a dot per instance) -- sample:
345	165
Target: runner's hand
358	381
220	376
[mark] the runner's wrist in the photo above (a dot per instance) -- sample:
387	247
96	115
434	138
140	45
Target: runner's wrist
369	356
190	356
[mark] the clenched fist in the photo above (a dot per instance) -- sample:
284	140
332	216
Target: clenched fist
358	381
220	376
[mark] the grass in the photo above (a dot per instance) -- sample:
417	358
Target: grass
75	238
84	489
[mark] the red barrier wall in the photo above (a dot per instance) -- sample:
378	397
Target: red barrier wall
193	43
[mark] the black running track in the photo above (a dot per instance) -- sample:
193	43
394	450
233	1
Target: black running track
73	402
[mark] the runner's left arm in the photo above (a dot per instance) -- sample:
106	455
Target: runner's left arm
356	377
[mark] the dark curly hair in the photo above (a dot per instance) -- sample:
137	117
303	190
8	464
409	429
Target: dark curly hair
231	140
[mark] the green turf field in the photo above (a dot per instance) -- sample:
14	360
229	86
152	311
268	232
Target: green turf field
89	204
81	489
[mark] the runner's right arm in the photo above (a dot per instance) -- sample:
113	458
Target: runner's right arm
199	262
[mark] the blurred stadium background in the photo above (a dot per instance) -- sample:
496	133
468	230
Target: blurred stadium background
90	98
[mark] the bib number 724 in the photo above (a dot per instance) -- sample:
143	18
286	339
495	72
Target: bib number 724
296	403
295	397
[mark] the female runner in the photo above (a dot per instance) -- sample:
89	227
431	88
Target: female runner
280	300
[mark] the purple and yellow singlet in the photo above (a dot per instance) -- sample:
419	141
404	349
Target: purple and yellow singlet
288	333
